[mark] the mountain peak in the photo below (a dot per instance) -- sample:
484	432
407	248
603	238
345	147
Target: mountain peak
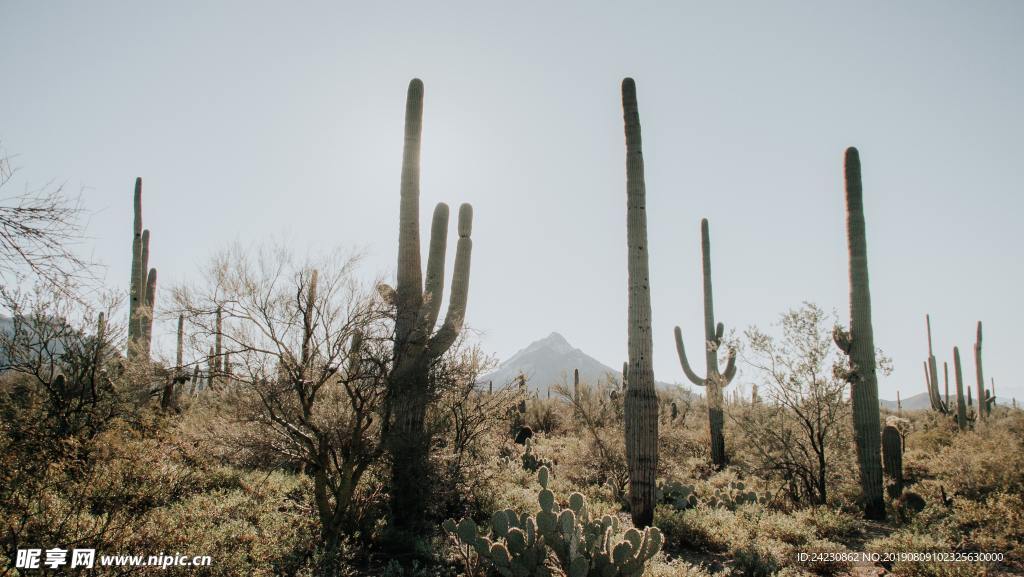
547	362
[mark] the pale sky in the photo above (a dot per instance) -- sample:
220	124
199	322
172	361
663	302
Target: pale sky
256	119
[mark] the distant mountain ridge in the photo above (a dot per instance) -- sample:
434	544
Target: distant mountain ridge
916	402
550	361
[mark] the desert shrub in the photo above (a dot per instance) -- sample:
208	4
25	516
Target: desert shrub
829	523
674	568
547	415
909	541
701	528
785	528
819	565
977	464
755	559
995	524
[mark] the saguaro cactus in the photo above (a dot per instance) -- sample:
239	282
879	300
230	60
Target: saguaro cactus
142	289
641	402
892	458
575	385
178	376
135	294
716	379
945	382
859	346
418	302
931	376
961	404
986	398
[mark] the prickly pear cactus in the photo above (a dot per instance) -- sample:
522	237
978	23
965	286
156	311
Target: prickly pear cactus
531	462
733	495
581	546
677	495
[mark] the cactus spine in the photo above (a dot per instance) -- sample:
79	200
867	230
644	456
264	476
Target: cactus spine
859	345
892	458
641	402
715	380
961	404
417	302
931	376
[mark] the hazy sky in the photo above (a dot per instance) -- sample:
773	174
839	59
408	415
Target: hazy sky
250	119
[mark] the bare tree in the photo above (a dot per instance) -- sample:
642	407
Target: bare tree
61	388
309	351
38	229
797	434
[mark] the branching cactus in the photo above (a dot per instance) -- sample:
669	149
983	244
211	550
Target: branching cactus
142	289
715	380
961	403
859	346
931	376
417	302
641	401
892	459
136	289
519	545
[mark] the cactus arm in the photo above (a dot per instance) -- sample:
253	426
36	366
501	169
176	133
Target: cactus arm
681	351
730	367
307	321
218	341
961	406
409	275
146	318
179	351
448	332
434	283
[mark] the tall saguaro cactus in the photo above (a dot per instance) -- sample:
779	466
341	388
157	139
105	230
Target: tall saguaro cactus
417	302
931	376
961	404
135	294
142	289
715	380
641	402
859	346
986	398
